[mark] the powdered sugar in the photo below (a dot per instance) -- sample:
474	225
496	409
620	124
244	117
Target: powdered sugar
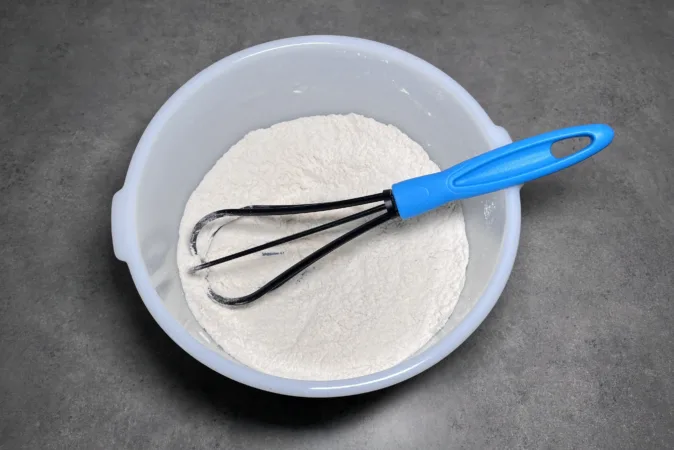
363	308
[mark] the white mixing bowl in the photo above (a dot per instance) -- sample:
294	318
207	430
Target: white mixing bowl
284	80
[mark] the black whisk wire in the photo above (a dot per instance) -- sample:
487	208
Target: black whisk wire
388	207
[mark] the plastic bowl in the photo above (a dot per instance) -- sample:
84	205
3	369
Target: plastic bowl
284	80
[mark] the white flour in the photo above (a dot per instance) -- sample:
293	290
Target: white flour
365	307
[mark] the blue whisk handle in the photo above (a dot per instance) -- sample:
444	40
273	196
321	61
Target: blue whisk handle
506	166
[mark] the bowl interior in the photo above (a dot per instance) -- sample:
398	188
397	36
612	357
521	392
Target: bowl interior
258	89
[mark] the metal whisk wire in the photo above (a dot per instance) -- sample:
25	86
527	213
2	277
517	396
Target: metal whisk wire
387	207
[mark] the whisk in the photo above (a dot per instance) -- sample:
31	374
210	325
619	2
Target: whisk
507	166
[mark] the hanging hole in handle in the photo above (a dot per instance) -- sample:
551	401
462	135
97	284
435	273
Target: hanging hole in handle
567	147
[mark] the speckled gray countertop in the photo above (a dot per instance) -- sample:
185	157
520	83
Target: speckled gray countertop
579	351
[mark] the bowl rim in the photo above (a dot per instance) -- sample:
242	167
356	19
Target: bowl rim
127	248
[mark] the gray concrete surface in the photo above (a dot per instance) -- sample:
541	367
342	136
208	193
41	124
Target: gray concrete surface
577	354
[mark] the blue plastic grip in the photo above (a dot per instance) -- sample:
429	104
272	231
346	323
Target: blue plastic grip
506	166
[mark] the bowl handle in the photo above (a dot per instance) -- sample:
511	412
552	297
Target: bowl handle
120	225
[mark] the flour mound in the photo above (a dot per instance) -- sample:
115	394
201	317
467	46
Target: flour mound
365	307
